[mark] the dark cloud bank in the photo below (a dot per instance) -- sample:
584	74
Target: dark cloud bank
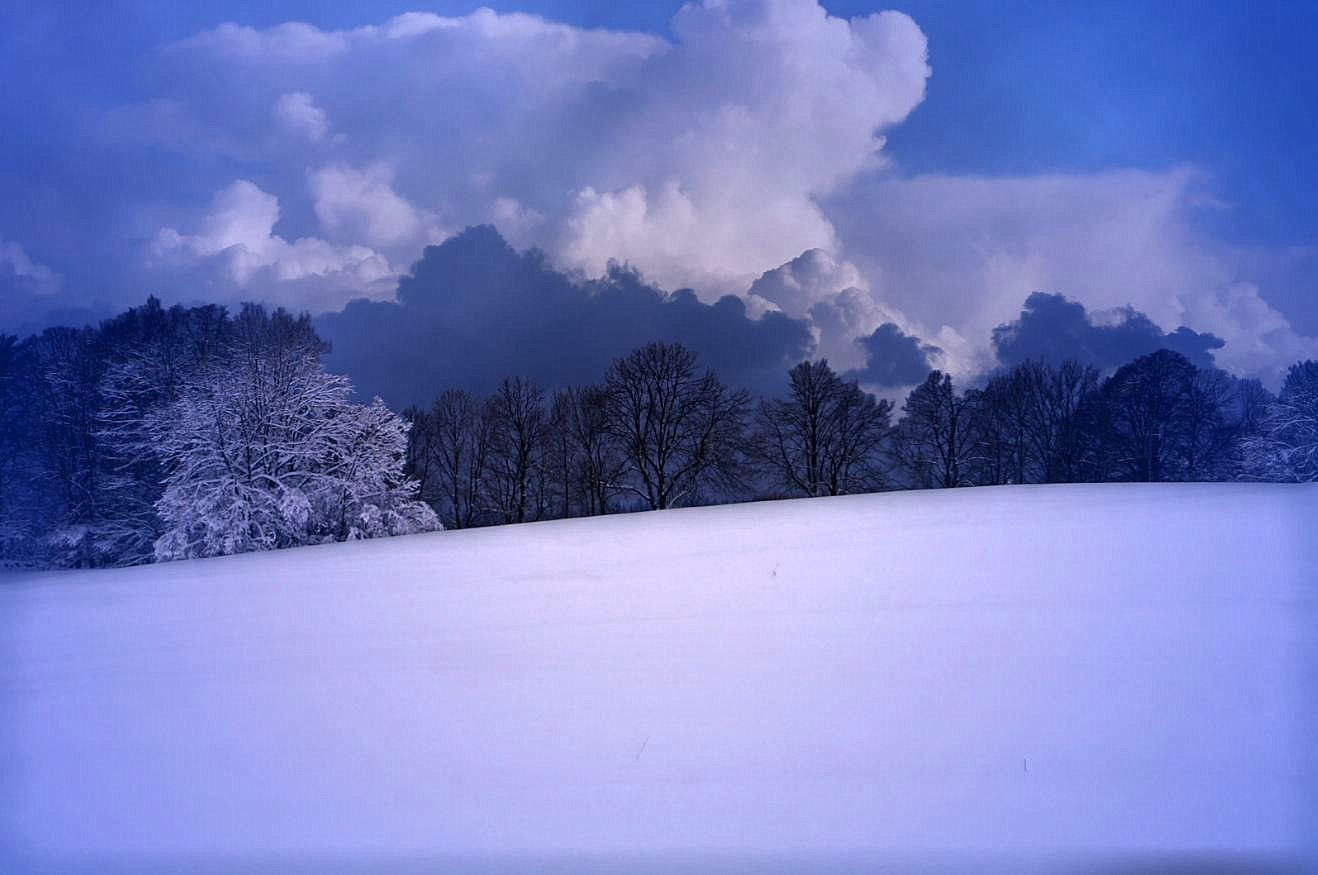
894	358
1053	329
474	311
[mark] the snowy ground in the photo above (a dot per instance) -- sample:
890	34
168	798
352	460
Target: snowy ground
1098	678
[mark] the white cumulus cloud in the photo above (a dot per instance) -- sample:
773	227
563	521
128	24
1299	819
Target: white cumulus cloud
958	255
363	205
236	250
297	113
699	160
754	135
20	273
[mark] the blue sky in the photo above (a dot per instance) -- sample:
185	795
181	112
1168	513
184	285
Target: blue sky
1221	93
1084	86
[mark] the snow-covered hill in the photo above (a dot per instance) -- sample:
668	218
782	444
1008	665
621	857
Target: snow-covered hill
1017	678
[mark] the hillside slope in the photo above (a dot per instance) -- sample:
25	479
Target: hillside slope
1029	677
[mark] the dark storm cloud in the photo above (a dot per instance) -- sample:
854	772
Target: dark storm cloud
474	310
1052	328
893	358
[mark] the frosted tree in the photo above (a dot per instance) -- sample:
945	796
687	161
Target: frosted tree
151	353
263	449
367	494
75	410
1286	445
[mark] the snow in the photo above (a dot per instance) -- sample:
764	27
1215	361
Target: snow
1010	679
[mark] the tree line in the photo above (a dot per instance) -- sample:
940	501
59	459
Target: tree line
659	432
179	432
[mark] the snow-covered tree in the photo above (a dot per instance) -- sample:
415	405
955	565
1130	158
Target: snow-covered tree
151	352
1286	447
263	449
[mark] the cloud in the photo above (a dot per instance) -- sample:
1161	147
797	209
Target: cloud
236	255
743	155
811	278
956	255
517	221
894	359
362	205
28	289
30	295
700	160
1054	329
297	113
759	109
21	276
833	296
291	42
473	310
1261	341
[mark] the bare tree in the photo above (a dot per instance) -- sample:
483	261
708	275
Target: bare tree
681	430
1058	433
862	427
19	500
559	459
1001	430
1209	434
1145	412
587	459
793	436
518	423
933	442
70	448
1029	423
457	444
825	438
